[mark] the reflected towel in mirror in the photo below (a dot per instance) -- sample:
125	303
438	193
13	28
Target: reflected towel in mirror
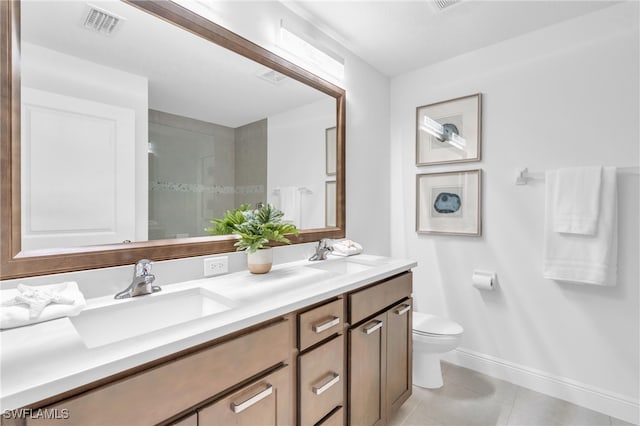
290	204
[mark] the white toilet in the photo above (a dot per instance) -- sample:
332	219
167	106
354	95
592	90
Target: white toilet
432	336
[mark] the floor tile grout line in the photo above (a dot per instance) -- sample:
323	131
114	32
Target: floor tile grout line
512	405
408	416
506	423
421	400
519	390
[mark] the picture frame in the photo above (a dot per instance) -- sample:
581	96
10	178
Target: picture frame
437	123
330	203
449	203
331	150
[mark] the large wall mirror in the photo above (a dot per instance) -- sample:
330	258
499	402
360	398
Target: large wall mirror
128	125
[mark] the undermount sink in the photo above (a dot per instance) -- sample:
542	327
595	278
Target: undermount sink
146	314
340	266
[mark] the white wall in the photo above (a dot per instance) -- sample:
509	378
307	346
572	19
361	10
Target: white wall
300	133
367	158
563	96
52	71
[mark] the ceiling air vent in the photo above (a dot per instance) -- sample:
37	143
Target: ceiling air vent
443	4
273	77
101	21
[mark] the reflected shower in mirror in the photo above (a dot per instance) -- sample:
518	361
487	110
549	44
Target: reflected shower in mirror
134	129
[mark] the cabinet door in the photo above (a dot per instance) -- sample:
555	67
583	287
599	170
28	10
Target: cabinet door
265	402
399	355
367	372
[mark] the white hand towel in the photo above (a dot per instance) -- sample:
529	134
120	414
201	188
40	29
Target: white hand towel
32	304
290	204
346	248
577	200
590	259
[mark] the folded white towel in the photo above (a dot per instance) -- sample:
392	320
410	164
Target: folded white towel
577	200
32	304
346	248
590	259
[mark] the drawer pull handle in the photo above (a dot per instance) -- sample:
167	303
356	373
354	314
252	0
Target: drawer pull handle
238	408
334	378
403	309
375	325
319	328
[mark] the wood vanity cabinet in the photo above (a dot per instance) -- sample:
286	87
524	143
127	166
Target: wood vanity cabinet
380	349
345	360
178	388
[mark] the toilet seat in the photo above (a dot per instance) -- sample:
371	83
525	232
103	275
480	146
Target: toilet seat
432	325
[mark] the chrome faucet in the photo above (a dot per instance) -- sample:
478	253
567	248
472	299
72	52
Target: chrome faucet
323	248
141	283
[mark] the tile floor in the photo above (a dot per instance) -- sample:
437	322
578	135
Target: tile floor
469	398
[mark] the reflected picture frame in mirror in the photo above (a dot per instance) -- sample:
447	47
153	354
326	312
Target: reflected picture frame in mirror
16	262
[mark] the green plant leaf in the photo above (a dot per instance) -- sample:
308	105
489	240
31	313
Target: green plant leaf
255	228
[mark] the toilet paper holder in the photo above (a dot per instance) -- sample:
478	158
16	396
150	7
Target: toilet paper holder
484	280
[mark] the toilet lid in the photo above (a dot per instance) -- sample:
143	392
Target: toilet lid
432	324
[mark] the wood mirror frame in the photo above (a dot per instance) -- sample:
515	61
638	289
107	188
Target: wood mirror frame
15	263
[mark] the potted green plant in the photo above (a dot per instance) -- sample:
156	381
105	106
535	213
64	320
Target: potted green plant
256	228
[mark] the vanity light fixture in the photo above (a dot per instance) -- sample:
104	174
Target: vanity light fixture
446	132
301	48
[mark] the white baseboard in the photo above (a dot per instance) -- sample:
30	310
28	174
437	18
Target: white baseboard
603	401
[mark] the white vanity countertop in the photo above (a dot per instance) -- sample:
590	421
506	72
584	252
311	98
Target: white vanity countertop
45	359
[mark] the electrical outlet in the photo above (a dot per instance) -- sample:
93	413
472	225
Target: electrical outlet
216	265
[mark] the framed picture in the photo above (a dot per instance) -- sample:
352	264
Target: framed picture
449	203
330	203
331	149
449	131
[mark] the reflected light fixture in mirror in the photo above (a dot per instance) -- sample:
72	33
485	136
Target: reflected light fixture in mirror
18	262
446	132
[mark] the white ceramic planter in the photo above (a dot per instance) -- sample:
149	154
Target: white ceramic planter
259	262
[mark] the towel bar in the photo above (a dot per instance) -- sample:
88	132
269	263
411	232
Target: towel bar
302	189
524	175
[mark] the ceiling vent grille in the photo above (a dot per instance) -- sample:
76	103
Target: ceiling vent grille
273	77
101	21
443	4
